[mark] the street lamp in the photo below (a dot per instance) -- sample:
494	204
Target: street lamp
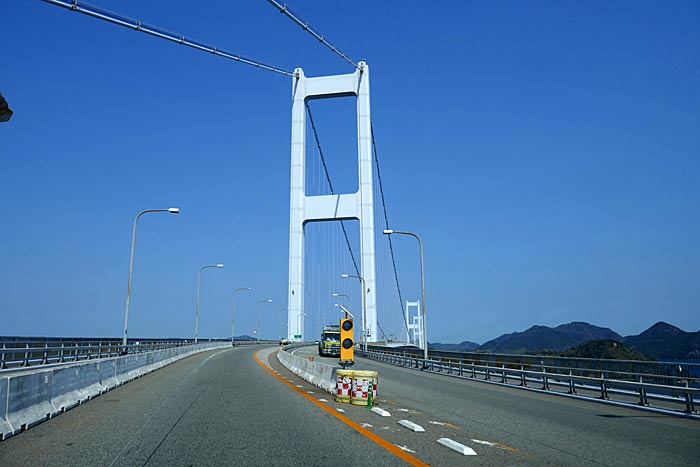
196	312
233	309
131	264
364	309
422	286
342	295
267	300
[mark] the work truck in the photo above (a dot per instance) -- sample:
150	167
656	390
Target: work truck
329	345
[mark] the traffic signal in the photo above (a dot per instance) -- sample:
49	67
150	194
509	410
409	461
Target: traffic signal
347	342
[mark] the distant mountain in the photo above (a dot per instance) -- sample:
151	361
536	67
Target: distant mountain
604	348
664	341
244	337
545	338
465	346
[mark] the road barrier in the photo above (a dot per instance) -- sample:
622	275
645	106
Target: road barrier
32	395
625	388
319	374
22	352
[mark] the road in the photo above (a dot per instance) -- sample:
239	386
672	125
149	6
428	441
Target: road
215	408
224	408
528	428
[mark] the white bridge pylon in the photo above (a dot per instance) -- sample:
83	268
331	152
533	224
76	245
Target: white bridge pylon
336	207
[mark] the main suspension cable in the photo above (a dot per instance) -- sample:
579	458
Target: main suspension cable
283	8
154	31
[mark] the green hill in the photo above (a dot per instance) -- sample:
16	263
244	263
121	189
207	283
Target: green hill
604	348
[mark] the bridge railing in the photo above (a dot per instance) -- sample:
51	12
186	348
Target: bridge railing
26	352
617	380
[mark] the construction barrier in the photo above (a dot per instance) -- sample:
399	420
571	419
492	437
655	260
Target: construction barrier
363	383
343	386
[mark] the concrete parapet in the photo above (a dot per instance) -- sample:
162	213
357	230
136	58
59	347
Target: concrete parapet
32	396
317	373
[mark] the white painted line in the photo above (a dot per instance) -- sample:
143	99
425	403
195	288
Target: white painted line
437	423
323	400
455	446
483	442
412	426
403	410
340	410
381	412
309	392
404	448
367	425
299	386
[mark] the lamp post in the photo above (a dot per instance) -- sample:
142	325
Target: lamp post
233	309
267	300
279	322
422	286
196	311
131	265
343	295
364	309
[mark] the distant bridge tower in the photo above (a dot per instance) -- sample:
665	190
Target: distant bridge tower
415	324
359	205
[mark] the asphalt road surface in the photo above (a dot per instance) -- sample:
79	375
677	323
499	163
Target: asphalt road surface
215	408
224	408
522	428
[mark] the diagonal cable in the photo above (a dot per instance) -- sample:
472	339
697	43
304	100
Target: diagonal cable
386	221
330	185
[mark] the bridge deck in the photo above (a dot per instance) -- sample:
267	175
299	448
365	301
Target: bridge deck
223	408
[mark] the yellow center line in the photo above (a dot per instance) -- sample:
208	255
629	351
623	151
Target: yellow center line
395	450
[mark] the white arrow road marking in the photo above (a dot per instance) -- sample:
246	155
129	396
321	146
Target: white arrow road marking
483	442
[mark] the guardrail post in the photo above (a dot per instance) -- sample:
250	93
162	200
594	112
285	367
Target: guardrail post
488	375
545	381
523	382
689	403
572	383
504	380
26	356
642	393
603	387
3	365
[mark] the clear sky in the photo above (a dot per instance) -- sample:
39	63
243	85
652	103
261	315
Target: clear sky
548	153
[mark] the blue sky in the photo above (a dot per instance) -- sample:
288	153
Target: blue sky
546	152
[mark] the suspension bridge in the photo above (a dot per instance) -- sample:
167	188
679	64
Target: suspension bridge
341	252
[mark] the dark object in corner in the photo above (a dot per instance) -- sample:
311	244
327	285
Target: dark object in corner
5	111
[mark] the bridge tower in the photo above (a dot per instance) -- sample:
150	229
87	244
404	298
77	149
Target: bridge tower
336	207
414	327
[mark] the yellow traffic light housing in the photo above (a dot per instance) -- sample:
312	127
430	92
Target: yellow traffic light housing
347	341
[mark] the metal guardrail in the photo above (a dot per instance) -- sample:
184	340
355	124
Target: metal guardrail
627	387
30	352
